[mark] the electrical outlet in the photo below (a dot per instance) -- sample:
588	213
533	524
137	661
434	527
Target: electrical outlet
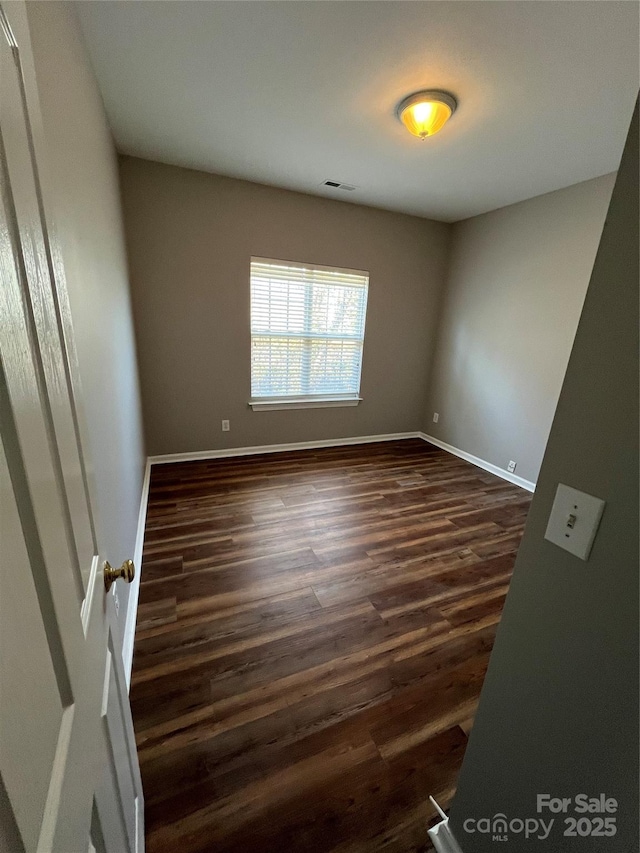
511	467
116	600
435	417
225	426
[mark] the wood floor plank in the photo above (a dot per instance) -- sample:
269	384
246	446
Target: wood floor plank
313	633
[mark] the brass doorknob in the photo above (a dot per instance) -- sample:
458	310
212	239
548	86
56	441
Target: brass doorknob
127	572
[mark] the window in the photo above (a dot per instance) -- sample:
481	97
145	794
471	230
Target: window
307	332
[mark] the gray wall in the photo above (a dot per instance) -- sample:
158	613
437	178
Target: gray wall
190	237
515	284
559	708
84	174
515	287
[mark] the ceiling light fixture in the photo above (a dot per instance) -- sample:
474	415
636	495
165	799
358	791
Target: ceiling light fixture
425	113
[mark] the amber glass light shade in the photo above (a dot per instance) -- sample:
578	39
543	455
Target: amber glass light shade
426	113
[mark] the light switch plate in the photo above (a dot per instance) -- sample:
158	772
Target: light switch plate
574	519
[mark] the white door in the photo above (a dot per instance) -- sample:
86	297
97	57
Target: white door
69	775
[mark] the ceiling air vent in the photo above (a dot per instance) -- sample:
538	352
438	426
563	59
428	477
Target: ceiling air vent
336	185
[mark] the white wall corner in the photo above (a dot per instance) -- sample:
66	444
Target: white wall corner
129	635
480	463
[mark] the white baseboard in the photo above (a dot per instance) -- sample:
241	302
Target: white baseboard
134	590
277	448
130	624
475	460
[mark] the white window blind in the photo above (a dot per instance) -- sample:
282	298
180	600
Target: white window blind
307	330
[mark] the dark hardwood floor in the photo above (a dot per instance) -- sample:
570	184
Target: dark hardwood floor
313	633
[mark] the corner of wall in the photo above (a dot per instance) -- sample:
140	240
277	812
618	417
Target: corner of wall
425	422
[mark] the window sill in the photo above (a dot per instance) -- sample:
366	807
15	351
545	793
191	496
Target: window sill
275	405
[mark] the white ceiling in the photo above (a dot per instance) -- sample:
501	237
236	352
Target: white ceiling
294	93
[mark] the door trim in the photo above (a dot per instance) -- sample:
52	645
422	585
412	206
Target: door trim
129	633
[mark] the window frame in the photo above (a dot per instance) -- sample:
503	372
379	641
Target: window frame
309	401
